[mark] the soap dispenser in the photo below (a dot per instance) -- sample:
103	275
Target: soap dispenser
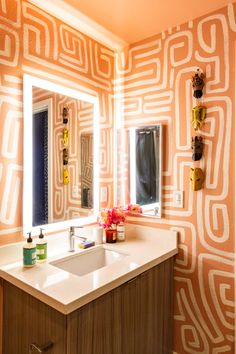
29	252
41	247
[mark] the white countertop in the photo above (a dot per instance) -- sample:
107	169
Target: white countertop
145	247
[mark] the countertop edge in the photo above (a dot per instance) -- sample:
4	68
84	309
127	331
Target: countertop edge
145	247
66	309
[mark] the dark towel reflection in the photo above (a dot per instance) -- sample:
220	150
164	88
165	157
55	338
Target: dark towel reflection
147	165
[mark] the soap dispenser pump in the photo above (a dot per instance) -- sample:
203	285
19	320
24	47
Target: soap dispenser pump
29	252
41	247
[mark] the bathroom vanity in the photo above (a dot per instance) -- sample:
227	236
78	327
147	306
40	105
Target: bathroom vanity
121	308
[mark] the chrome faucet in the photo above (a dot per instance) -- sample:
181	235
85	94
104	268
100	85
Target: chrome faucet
72	237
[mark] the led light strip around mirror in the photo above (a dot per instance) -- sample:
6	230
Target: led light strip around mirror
29	83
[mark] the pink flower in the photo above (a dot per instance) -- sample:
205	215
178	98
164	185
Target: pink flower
133	208
111	216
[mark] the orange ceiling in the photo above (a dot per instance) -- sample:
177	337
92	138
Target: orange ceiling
134	20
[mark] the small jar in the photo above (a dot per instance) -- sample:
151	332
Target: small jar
121	232
111	235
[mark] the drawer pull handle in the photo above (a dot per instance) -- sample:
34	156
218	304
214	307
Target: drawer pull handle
39	349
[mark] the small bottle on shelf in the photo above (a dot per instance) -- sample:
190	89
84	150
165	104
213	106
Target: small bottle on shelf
121	232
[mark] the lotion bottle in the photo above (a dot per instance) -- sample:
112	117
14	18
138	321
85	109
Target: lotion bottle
41	248
29	252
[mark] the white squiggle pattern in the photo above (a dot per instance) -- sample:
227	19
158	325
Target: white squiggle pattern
212	49
204	313
11	127
49	32
74	49
231	16
6	10
12	186
9	55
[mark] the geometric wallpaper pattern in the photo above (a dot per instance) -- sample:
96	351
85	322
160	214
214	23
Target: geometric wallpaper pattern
151	84
34	42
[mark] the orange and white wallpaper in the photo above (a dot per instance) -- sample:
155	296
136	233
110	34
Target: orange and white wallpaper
34	42
153	86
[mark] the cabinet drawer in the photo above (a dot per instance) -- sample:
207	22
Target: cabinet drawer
27	320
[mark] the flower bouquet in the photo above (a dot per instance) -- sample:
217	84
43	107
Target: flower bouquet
109	219
133	209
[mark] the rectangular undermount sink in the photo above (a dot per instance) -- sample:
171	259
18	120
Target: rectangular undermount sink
88	261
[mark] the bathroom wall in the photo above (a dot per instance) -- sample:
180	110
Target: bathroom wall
153	86
34	42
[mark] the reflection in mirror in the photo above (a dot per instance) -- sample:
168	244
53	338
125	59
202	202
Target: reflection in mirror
143	145
87	170
64	201
62	145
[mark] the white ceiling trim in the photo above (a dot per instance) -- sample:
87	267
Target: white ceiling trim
81	22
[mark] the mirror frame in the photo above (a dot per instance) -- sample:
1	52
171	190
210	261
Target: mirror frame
148	209
29	82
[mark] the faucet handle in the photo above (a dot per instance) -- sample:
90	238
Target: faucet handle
72	228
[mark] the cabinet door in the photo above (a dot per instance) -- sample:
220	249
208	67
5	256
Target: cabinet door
148	303
90	329
125	317
168	304
135	318
27	320
146	311
154	312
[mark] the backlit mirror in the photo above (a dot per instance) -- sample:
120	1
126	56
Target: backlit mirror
140	179
61	147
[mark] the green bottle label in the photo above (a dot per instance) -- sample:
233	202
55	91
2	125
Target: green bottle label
41	251
29	256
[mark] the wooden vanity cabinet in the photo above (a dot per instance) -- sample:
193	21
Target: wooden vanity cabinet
135	318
